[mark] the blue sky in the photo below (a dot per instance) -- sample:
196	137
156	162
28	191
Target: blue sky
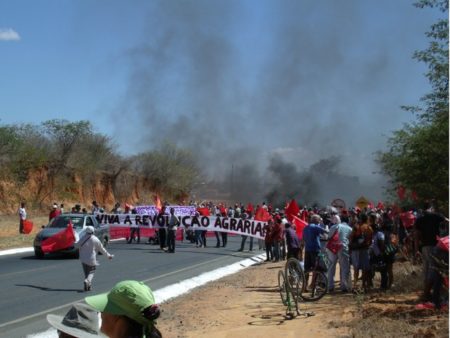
303	79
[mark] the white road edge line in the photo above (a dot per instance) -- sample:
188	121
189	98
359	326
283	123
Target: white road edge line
161	295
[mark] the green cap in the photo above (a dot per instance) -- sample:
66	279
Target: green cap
128	298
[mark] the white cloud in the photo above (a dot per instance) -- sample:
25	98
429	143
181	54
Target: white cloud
9	34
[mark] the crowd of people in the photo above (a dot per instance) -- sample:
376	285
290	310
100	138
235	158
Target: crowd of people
367	240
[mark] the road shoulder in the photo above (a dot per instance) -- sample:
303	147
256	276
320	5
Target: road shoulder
247	304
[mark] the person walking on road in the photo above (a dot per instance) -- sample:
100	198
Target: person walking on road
88	246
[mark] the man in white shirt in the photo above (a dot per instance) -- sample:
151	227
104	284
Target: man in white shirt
22	216
88	246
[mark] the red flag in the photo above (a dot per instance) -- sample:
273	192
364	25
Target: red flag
395	210
401	191
27	226
380	205
292	210
407	219
299	226
250	208
61	240
262	215
304	215
203	211
158	203
179	234
370	205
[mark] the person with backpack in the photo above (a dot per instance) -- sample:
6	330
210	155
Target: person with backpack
390	247
376	253
339	251
360	240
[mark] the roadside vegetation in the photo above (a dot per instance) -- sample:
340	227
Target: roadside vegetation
59	160
393	313
417	156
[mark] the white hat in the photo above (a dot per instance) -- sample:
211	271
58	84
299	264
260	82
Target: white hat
89	229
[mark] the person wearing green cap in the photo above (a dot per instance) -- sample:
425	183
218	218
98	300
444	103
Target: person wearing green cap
127	310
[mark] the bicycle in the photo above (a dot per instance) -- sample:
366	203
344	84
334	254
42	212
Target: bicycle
295	274
319	280
289	295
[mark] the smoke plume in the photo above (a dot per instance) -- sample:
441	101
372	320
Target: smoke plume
277	99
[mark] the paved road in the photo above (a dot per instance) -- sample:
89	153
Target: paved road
32	288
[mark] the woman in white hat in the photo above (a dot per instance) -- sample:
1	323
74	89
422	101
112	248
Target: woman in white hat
88	246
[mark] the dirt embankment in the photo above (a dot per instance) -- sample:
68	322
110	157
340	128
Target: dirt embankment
39	191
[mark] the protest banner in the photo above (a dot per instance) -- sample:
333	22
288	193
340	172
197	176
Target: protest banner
248	227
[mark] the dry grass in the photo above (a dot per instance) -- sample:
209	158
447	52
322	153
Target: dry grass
393	314
9	231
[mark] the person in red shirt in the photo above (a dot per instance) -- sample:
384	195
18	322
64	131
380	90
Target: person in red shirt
408	218
54	212
277	237
268	239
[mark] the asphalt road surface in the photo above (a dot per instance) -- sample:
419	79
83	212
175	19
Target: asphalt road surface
31	288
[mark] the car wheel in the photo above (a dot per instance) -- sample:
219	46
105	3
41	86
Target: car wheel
105	241
38	252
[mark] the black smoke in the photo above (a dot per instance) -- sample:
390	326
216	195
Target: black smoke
277	99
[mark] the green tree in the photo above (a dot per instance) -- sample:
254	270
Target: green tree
169	171
418	155
22	148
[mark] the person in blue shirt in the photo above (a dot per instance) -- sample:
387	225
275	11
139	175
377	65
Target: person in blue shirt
292	241
311	238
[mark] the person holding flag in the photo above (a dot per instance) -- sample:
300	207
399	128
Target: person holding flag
89	245
22	216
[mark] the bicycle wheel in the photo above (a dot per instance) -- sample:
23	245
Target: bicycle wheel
295	297
318	289
295	276
282	287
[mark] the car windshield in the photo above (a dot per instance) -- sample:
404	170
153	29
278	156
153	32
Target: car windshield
63	222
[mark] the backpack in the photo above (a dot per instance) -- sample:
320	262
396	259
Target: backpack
391	245
334	243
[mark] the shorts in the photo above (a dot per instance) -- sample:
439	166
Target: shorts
310	260
360	259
